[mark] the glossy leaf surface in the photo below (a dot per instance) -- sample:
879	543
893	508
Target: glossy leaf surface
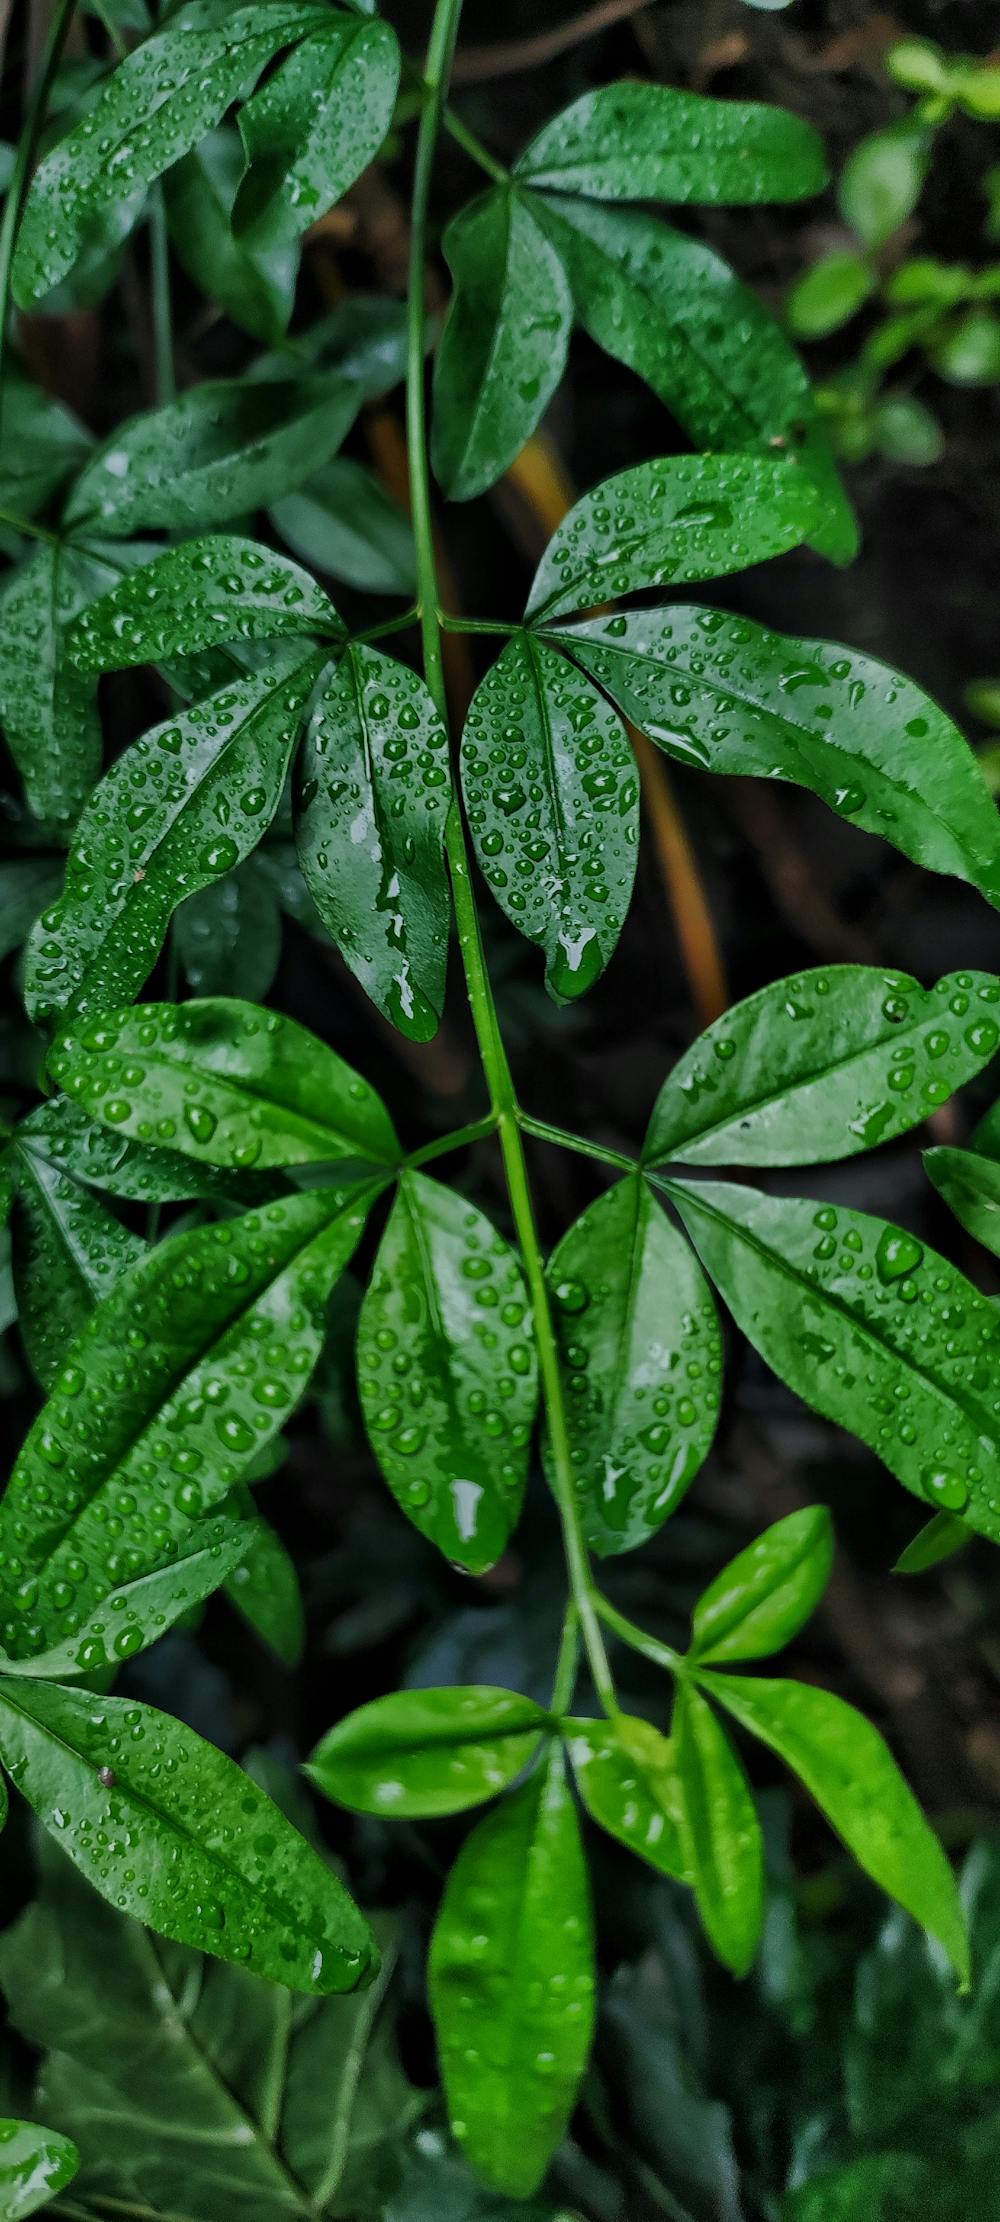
552	794
970	1185
375	790
641	142
140	1172
218	588
767	1593
314	126
512	1981
504	346
136	1613
641	1353
447	1372
344	523
35	2164
627	1777
255	286
719	1832
939	1539
48	711
823	1065
67	1252
422	1753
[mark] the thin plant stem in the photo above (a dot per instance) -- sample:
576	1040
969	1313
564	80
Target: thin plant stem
459	1139
474	148
568	1662
563	1140
23	161
26	525
661	1654
403	624
474	625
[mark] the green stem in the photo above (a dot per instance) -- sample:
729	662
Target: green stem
484	1014
563	1140
163	332
25	525
474	147
474	625
567	1663
23	161
661	1654
458	1140
388	625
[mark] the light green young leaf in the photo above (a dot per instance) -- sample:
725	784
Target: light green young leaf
680	518
725	695
35	2164
137	1612
512	1982
870	1327
375	791
264	1587
218	588
67	1252
640	142
768	1592
504	345
255	286
970	1185
882	180
627	1777
180	1836
829	294
552	794
180	807
141	1172
720	1835
344	523
450	1427
314	126
179	1380
228	937
823	1065
423	1753
641	1353
48	711
853	1776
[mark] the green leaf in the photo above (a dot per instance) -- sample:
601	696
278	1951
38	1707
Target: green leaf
970	1185
215	589
255	286
503	351
344	523
627	1777
829	294
138	1171
853	1776
642	142
317	122
27	885
264	1587
683	517
219	451
422	1753
42	444
375	791
726	695
512	1982
137	1612
229	935
870	1327
181	1837
447	1372
156	105
552	795
642	1361
969	353
181	806
768	1592
68	1250
882	180
47	710
939	1539
35	2163
180	1378
720	1835
225	1082
821	1066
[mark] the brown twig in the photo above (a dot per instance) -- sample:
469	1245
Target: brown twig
481	62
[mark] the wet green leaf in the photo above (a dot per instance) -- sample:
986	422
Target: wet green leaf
823	1065
264	1587
627	1777
67	1252
137	1612
970	1185
552	794
218	588
316	123
512	1981
228	936
720	1835
48	711
447	1372
255	286
140	1172
641	1354
768	1592
642	142
504	346
35	2163
344	523
422	1753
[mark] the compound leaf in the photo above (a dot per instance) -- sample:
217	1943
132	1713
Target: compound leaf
314	126
422	1753
720	1835
642	142
504	345
767	1593
218	588
627	1777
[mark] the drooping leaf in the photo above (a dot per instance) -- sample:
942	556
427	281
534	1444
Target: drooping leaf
726	695
218	588
255	286
140	1172
970	1185
512	1981
228	936
851	1773
940	1538
67	1252
344	523
422	1753
627	1777
681	518
720	1835
552	795
641	1354
767	1593
871	1327
823	1065
264	1587
48	711
503	351
180	1378
35	2163
376	786
447	1372
180	807
316	123
135	1613
643	142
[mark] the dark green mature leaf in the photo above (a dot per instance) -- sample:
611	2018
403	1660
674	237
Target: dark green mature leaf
726	695
228	937
180	1378
873	1329
422	1753
641	1353
219	588
180	807
180	1837
552	794
138	1171
264	1587
42	444
720	1835
627	1777
512	1981
376	786
823	1065
851	1773
346	524
970	1185
679	518
67	1252
27	885
35	2163
314	126
504	346
157	104
135	1613
939	1539
255	286
767	1593
642	142
447	1372
47	710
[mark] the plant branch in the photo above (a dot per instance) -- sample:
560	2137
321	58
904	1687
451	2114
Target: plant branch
503	60
661	1654
562	1139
